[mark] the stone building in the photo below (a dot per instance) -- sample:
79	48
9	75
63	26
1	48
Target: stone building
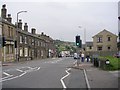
8	33
105	41
30	45
21	45
50	45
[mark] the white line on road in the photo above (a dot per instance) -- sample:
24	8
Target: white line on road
19	70
6	74
86	79
23	73
63	84
7	77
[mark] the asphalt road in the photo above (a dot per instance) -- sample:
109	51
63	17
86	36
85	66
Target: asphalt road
49	73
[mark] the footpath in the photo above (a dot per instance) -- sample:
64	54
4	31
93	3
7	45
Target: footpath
98	78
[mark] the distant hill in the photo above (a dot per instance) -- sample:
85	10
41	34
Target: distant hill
65	46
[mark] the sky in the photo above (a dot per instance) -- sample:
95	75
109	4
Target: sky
64	19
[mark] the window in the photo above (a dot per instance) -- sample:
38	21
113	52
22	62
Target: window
8	31
41	44
99	48
25	40
26	52
109	38
38	43
7	49
109	48
29	41
33	52
41	53
90	47
11	49
99	39
11	33
32	41
21	51
20	39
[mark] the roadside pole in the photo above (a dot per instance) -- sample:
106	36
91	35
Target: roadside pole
0	55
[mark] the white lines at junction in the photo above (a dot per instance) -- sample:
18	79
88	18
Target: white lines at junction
63	84
10	77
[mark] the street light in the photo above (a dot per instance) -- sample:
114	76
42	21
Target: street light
84	36
16	43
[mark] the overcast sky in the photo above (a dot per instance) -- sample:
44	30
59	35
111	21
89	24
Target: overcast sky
61	19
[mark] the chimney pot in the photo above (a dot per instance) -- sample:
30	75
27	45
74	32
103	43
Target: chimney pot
26	27
3	11
9	19
33	31
20	24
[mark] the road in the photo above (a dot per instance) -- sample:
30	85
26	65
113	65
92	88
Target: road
47	73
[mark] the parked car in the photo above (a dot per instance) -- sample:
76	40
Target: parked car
60	55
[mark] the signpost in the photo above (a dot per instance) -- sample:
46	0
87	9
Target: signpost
0	54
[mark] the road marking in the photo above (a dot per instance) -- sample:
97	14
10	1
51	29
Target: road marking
7	77
63	84
30	67
86	79
23	73
6	74
19	70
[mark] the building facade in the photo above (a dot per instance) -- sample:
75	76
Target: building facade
20	44
105	41
8	35
30	45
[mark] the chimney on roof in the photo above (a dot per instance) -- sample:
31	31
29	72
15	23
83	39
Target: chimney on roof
42	33
33	31
20	24
26	27
9	19
3	11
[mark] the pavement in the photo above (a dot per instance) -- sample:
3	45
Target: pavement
98	78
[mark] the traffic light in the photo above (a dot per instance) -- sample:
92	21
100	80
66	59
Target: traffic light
3	42
80	45
78	41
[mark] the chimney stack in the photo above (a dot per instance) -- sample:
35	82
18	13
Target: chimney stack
3	11
9	19
33	31
26	27
20	24
42	33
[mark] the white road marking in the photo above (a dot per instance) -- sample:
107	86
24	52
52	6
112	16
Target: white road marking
19	70
23	73
86	79
6	74
63	84
7	77
30	67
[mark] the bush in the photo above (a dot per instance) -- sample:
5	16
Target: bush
114	63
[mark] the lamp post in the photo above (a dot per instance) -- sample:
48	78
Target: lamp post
84	36
16	43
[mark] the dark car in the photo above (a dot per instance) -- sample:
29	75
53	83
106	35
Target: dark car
59	55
